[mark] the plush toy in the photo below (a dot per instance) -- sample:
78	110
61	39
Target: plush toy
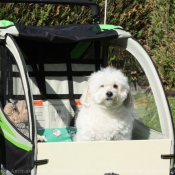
16	111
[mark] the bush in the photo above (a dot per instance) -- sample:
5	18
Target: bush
161	40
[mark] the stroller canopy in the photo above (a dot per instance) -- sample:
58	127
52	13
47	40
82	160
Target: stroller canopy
60	34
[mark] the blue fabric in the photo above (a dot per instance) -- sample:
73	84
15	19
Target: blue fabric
57	134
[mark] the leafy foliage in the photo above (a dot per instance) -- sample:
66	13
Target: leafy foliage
47	14
161	40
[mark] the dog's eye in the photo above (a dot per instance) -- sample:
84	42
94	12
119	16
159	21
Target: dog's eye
102	86
115	86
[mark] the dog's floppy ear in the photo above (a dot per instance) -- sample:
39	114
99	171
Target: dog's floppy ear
128	102
85	95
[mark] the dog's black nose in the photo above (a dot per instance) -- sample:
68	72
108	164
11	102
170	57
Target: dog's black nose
109	94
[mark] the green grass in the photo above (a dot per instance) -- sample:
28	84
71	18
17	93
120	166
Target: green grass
147	110
172	106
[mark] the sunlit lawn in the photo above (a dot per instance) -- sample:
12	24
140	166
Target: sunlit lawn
172	106
147	110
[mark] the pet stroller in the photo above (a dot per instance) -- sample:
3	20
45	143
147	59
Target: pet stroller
42	75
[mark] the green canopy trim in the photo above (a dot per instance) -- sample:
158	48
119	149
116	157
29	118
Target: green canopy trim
109	27
79	49
6	23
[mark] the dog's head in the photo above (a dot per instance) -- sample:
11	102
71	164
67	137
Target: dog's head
108	88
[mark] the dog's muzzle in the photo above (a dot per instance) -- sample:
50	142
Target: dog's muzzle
109	95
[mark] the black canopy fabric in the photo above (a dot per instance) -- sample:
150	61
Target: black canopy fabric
65	33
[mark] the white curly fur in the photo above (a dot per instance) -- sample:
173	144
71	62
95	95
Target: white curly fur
106	112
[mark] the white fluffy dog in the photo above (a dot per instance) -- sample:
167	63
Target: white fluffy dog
106	112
